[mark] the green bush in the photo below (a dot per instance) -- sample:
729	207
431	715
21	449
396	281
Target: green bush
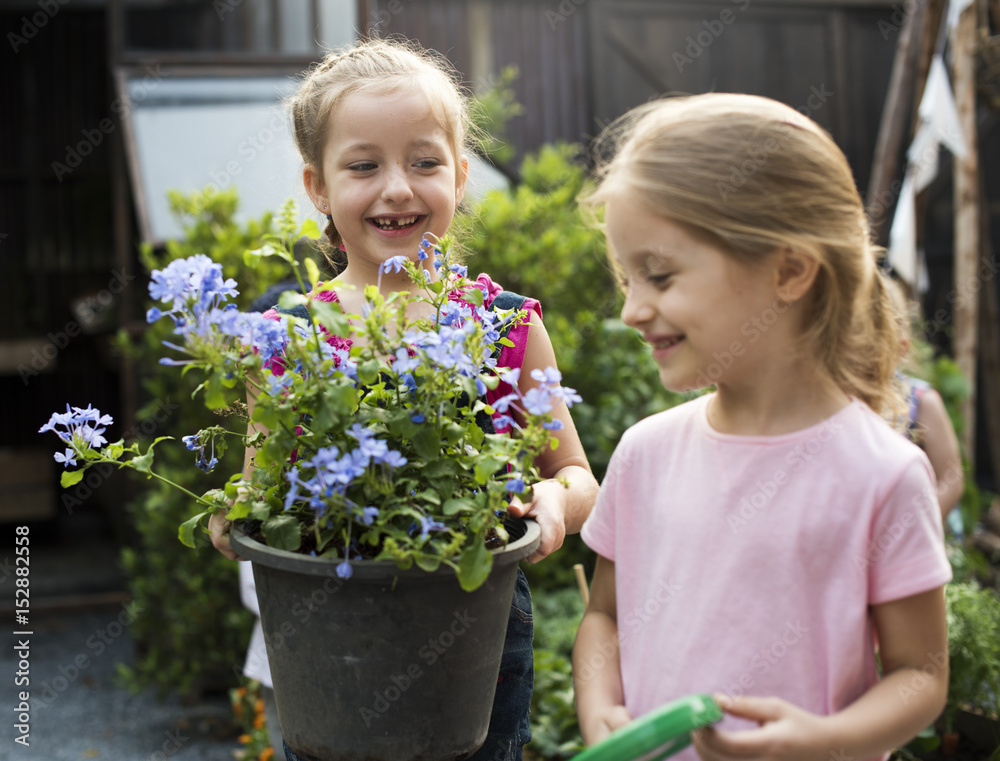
192	631
973	649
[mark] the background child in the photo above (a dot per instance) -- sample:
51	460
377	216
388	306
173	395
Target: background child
752	541
927	421
381	129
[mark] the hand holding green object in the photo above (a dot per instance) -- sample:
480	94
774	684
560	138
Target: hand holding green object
656	735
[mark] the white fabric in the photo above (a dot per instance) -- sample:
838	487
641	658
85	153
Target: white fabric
256	665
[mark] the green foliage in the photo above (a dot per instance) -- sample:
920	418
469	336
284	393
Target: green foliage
192	632
974	650
555	731
943	373
490	113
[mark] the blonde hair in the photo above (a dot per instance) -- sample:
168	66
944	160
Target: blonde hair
752	176
379	67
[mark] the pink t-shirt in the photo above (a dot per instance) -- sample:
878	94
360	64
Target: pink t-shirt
747	565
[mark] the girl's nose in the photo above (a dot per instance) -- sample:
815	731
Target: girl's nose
636	311
397	186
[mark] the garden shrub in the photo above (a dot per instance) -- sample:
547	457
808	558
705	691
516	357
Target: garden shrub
191	630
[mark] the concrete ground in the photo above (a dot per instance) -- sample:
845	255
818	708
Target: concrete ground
76	711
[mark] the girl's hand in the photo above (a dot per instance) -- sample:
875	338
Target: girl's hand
218	530
218	527
548	508
606	721
786	732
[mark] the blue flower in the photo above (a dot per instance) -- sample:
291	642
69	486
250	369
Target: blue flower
555	425
293	493
344	570
417	417
429	524
549	375
516	484
395	263
404	363
394	459
503	422
511	377
66	459
82	426
538	401
369	514
191	442
503	403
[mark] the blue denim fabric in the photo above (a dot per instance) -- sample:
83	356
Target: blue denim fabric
509	729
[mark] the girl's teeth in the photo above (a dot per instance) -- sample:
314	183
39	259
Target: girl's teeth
390	223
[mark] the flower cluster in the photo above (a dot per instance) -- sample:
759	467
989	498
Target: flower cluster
373	434
81	429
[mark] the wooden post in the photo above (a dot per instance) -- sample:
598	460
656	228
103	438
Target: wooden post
966	176
895	115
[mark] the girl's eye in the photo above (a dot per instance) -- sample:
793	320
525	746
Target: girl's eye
660	280
364	166
427	163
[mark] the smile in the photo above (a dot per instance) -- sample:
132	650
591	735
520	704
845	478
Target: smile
665	343
395	223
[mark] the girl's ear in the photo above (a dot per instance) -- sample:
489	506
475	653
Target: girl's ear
463	175
315	188
795	273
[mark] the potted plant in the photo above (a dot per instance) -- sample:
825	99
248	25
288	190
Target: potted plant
374	516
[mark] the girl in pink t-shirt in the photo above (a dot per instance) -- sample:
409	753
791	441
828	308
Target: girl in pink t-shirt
758	542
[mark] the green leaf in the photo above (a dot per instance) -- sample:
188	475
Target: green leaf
474	564
215	398
312	271
331	316
311	230
282	532
473	296
486	467
428	562
455	506
426	442
266	415
186	531
115	451
291	299
368	372
71	477
142	463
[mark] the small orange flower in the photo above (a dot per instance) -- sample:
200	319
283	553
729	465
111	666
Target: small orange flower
258	723
266	755
245	739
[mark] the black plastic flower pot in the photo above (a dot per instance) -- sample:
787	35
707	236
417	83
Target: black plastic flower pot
389	665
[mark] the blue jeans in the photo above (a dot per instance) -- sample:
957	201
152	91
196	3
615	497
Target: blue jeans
509	729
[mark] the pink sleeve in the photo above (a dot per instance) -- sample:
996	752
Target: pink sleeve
906	553
510	356
598	530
